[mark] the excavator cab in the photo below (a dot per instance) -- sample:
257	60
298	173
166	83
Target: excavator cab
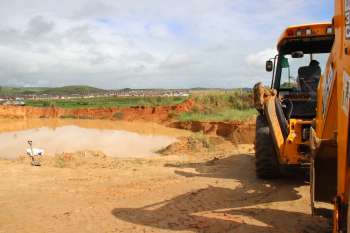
299	66
288	107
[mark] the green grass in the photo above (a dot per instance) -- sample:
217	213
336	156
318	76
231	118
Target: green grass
237	99
220	106
107	102
223	115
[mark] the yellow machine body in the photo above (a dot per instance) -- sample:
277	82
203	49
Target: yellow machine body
288	148
330	136
291	153
291	141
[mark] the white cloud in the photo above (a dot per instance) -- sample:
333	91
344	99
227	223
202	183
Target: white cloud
177	61
39	26
258	59
153	43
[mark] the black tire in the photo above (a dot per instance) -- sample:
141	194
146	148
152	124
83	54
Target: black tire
266	162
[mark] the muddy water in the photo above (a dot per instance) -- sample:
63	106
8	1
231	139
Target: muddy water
116	139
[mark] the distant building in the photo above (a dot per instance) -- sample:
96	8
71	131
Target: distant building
14	102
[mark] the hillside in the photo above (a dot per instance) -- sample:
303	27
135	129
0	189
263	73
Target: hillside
66	90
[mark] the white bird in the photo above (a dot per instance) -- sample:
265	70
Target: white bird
35	152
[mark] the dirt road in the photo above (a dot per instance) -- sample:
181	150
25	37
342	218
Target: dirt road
178	193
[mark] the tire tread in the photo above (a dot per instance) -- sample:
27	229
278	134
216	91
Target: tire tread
266	162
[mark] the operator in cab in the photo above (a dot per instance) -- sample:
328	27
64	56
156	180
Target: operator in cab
309	76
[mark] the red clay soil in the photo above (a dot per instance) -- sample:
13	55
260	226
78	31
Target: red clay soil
155	114
236	131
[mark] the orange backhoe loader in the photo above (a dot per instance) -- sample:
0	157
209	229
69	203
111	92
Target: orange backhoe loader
288	108
329	134
317	132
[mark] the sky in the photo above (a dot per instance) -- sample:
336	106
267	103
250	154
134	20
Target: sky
145	43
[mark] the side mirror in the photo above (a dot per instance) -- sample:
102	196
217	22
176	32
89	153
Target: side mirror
269	66
297	54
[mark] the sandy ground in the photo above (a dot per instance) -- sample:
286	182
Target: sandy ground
175	193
